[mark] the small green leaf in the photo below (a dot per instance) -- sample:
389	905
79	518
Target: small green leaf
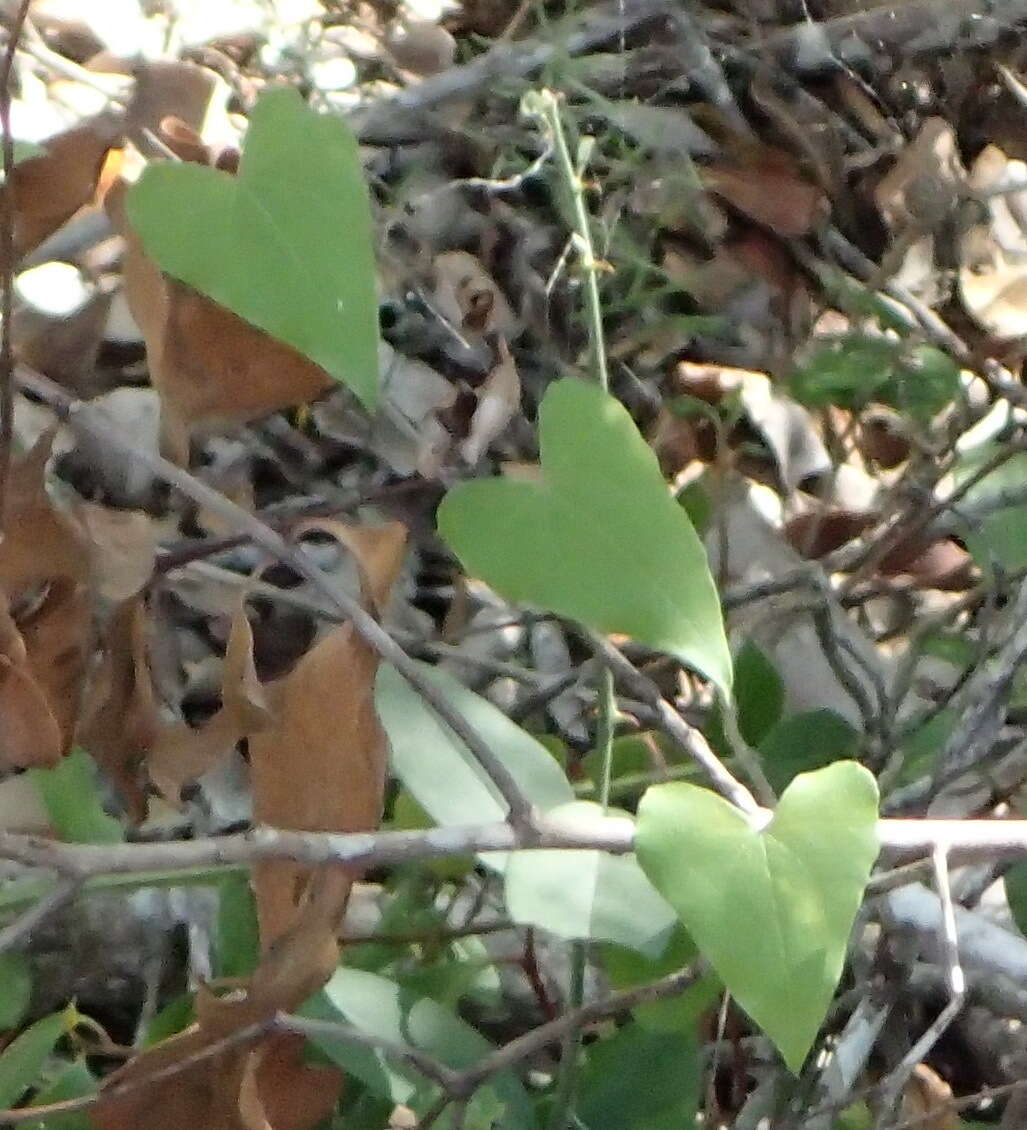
1001	537
601	540
855	369
805	742
238	937
444	779
588	894
638	1079
22	1061
286	244
771	910
380	1007
173	1018
72	801
73	1081
759	699
15	988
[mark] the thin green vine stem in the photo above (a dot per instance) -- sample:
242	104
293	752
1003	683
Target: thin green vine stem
563	1116
545	104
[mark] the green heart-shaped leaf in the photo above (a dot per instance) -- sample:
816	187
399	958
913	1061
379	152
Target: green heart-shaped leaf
771	910
286	244
601	540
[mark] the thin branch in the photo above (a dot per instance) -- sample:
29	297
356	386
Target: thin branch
364	623
538	1038
7	254
236	1039
969	840
685	737
430	1067
20	929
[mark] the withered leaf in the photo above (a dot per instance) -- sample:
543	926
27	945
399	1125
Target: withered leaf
50	188
322	765
123	721
257	1083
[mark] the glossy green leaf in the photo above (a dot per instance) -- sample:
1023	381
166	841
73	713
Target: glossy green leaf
382	1008
601	540
15	988
805	742
588	894
22	1061
759	700
444	779
72	801
770	909
286	244
640	1079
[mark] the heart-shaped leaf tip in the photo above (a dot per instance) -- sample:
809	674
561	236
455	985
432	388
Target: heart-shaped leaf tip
286	244
600	539
770	909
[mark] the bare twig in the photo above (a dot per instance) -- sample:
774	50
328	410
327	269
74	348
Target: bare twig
897	1079
968	839
685	737
20	929
364	623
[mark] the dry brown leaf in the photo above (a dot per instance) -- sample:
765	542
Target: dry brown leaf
123	549
322	765
922	186
469	297
993	254
46	623
210	367
259	1083
927	1101
181	753
51	188
767	187
40	542
499	400
194	95
58	637
421	47
123	721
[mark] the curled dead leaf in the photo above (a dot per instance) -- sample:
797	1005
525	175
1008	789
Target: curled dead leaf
321	766
181	753
927	1101
499	400
50	188
123	546
122	722
46	626
470	298
255	1083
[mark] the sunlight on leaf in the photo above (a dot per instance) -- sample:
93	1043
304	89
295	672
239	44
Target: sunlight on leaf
771	910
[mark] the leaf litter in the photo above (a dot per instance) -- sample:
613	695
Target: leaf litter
752	222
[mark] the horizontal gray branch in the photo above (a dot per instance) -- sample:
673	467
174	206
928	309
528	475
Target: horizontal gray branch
966	838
